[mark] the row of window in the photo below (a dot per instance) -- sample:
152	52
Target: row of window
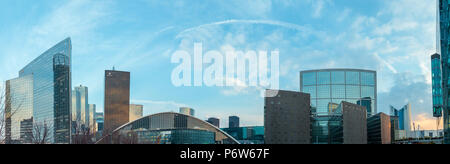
339	77
339	91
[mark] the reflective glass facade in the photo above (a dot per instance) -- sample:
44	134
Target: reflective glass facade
117	99
175	136
437	85
337	85
19	108
167	128
404	118
80	108
444	49
247	135
51	90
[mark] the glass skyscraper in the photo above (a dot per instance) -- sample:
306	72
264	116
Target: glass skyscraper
50	75
444	49
80	108
436	84
332	86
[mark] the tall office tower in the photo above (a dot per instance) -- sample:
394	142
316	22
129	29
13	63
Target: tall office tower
117	99
214	121
50	74
404	118
233	122
80	108
19	108
287	117
91	118
187	111
136	112
443	47
379	129
337	85
436	84
348	125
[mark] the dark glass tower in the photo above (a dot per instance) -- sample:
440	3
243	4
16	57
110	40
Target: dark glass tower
444	49
233	122
117	99
437	85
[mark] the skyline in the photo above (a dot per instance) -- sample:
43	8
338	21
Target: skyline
388	37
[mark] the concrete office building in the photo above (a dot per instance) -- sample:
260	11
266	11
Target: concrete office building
348	124
214	121
187	111
379	129
136	112
233	122
286	117
117	99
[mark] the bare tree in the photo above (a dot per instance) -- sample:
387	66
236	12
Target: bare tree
8	109
41	133
83	135
3	116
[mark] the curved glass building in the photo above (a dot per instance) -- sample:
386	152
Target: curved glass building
44	89
329	87
168	128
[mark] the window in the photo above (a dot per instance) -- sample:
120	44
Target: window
323	78
352	78
338	77
309	78
367	78
338	91
323	91
353	91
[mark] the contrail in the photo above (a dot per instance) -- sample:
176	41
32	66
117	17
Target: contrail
234	21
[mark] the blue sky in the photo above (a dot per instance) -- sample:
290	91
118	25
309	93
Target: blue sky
393	37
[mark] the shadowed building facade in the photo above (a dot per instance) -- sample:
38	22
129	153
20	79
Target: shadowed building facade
379	129
348	124
117	99
286	117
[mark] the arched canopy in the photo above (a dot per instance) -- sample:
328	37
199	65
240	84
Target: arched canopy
172	121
